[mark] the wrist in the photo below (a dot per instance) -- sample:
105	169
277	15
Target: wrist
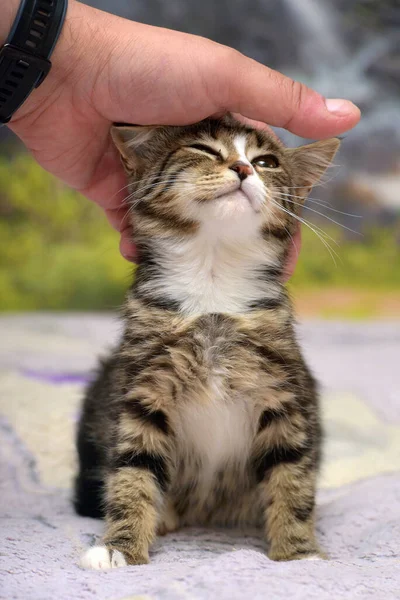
28	55
9	9
66	68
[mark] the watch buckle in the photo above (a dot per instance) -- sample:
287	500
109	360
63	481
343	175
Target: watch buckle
31	60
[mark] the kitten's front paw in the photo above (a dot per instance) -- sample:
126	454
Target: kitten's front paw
101	558
286	554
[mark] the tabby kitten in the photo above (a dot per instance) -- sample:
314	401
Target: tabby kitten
206	413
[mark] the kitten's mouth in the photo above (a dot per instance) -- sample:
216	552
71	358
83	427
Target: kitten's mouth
238	189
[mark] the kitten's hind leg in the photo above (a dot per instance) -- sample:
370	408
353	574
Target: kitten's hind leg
89	483
93	439
88	498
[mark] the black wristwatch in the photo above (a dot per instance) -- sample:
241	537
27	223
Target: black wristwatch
24	58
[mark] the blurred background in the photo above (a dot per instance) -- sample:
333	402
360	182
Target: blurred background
58	252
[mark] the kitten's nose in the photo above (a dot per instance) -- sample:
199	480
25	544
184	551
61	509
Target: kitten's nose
242	169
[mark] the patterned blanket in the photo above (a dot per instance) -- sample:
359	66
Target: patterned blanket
45	361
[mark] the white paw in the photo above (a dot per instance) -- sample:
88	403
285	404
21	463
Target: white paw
314	557
100	558
117	559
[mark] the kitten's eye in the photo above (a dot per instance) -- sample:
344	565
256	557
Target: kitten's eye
266	162
206	149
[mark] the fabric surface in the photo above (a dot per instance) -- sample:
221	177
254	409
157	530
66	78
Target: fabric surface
45	361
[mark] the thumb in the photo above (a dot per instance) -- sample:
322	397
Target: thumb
260	93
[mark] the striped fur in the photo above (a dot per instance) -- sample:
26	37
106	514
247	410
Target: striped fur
206	412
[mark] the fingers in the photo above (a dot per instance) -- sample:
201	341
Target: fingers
118	218
262	94
252	122
293	255
126	246
256	124
108	188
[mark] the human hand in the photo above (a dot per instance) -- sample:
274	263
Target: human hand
107	69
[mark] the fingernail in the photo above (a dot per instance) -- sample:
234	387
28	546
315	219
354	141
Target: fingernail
340	107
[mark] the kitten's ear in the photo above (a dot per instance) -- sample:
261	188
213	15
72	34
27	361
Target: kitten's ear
310	162
130	141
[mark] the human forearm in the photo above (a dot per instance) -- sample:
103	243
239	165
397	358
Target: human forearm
8	11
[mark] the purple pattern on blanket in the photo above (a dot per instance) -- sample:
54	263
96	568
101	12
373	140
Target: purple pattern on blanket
56	377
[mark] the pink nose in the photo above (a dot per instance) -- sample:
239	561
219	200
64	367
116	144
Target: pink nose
242	169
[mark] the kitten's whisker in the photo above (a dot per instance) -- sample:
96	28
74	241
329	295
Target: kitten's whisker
291	237
132	204
316	201
323	202
159	181
120	190
320	230
149	185
325	216
288	232
333	209
321	183
145	188
209	181
125	217
328	247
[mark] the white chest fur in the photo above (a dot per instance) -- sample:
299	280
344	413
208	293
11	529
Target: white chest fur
216	429
210	273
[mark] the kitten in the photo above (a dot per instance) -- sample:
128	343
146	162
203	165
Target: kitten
205	414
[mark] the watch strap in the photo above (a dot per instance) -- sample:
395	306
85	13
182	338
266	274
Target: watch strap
25	57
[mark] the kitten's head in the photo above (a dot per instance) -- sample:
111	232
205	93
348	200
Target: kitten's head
217	172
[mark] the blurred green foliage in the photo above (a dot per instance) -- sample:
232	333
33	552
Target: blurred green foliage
370	262
58	252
